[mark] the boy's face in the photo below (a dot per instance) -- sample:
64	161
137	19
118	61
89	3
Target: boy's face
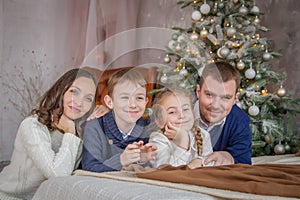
128	102
216	99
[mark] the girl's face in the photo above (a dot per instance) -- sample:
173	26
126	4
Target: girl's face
78	99
178	111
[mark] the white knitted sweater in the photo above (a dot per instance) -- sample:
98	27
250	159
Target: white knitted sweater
38	155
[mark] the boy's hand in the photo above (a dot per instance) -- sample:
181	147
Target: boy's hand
148	152
131	154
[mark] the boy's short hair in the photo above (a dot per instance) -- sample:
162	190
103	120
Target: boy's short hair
222	72
126	74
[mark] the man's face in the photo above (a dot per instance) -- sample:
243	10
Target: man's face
216	99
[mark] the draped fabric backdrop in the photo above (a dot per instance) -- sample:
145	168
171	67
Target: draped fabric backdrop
41	39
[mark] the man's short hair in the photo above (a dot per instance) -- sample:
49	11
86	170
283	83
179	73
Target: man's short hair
222	72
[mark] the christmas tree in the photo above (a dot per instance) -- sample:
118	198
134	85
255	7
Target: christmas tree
231	31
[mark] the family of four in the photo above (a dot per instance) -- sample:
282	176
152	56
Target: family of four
213	131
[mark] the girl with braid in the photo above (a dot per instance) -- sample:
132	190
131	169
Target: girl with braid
177	138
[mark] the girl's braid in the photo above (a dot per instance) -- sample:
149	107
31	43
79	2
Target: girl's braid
199	139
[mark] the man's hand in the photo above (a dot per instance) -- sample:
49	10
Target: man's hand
219	158
99	111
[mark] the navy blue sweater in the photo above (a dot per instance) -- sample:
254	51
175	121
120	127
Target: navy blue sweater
103	143
236	137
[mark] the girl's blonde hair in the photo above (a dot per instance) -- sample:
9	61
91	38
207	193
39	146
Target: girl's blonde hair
157	112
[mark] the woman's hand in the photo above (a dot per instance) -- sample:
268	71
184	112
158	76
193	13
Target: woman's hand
99	111
67	125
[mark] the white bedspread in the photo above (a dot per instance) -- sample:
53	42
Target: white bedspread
116	185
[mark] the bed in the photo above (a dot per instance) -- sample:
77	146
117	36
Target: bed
126	185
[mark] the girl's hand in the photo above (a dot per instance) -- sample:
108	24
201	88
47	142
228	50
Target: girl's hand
67	125
131	154
195	163
148	152
179	136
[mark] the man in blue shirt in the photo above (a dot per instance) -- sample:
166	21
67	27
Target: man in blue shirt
217	113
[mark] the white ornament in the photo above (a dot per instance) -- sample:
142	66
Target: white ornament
183	72
255	9
250	73
205	8
180	38
164	78
182	85
253	110
171	44
196	15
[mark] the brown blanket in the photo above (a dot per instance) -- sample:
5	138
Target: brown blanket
265	179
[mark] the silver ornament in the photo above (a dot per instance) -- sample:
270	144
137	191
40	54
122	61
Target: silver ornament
231	31
205	8
243	9
253	110
279	149
196	15
267	56
250	73
224	52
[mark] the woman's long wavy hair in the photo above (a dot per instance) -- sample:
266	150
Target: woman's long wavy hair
51	108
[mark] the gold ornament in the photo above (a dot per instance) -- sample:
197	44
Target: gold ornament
281	92
204	33
240	65
194	36
167	59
